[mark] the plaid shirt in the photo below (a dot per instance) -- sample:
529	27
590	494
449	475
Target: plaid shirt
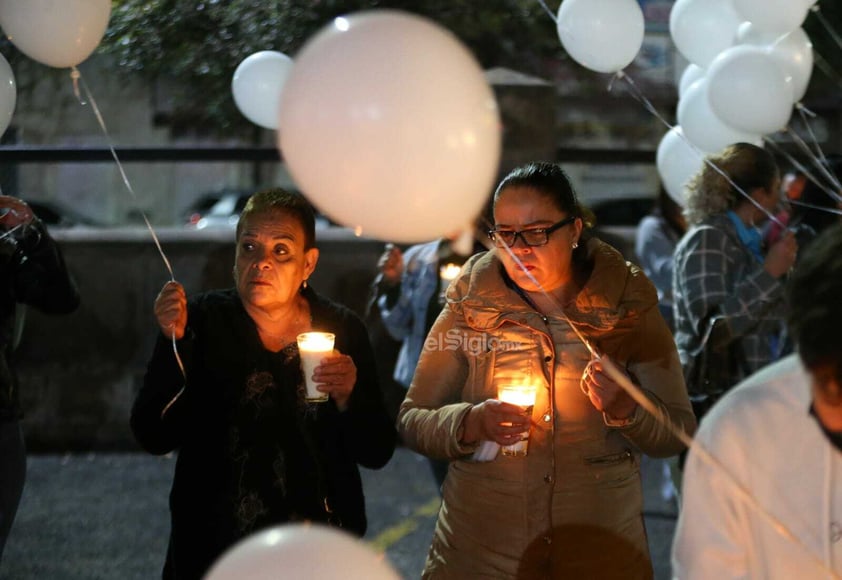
716	275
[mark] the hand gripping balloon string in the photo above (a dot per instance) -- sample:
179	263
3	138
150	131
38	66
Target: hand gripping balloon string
636	393
77	81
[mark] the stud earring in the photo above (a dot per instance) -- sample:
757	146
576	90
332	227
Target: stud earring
575	245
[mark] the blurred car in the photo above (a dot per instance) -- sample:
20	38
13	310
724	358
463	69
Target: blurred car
57	215
224	211
202	205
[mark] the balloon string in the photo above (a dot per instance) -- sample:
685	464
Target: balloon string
827	26
77	79
832	210
827	69
76	76
547	10
640	97
822	168
800	167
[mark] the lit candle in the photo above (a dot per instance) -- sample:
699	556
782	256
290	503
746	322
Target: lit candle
449	271
524	397
313	347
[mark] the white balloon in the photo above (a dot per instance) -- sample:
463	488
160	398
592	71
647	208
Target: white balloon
749	91
301	552
258	84
701	29
794	54
691	74
747	33
602	35
702	127
774	16
59	33
388	125
8	94
677	161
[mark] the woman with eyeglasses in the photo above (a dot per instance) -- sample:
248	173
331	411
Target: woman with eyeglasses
531	311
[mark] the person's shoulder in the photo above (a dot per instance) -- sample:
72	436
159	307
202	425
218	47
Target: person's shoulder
762	400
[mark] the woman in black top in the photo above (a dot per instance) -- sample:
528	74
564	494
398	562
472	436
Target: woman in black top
32	274
252	452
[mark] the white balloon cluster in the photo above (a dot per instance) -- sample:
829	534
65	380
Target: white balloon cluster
750	62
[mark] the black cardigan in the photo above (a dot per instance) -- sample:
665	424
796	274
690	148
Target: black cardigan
251	453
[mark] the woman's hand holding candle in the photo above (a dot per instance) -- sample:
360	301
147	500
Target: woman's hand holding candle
336	376
497	421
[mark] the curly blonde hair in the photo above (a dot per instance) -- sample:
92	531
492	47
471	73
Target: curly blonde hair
709	192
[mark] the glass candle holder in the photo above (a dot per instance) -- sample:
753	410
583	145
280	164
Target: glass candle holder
313	347
524	397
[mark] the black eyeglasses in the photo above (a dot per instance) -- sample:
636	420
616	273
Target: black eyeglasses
530	237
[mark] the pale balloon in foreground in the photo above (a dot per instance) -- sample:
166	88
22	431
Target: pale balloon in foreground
301	552
388	125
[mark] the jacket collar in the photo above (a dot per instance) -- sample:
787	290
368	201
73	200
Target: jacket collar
613	290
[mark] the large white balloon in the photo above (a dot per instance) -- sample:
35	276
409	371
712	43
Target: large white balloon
301	552
388	125
59	33
690	75
794	54
774	16
8	94
677	161
701	29
257	86
702	127
749	91
602	35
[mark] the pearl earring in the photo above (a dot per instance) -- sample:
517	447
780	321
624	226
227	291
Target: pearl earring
575	245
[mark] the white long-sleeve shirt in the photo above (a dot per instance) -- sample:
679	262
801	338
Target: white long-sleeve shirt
764	436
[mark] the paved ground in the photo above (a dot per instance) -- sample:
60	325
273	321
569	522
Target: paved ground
104	516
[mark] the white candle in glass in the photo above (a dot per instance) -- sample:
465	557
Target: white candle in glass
313	347
524	397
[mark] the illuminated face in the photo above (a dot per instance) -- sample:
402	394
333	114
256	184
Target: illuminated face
271	262
535	268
